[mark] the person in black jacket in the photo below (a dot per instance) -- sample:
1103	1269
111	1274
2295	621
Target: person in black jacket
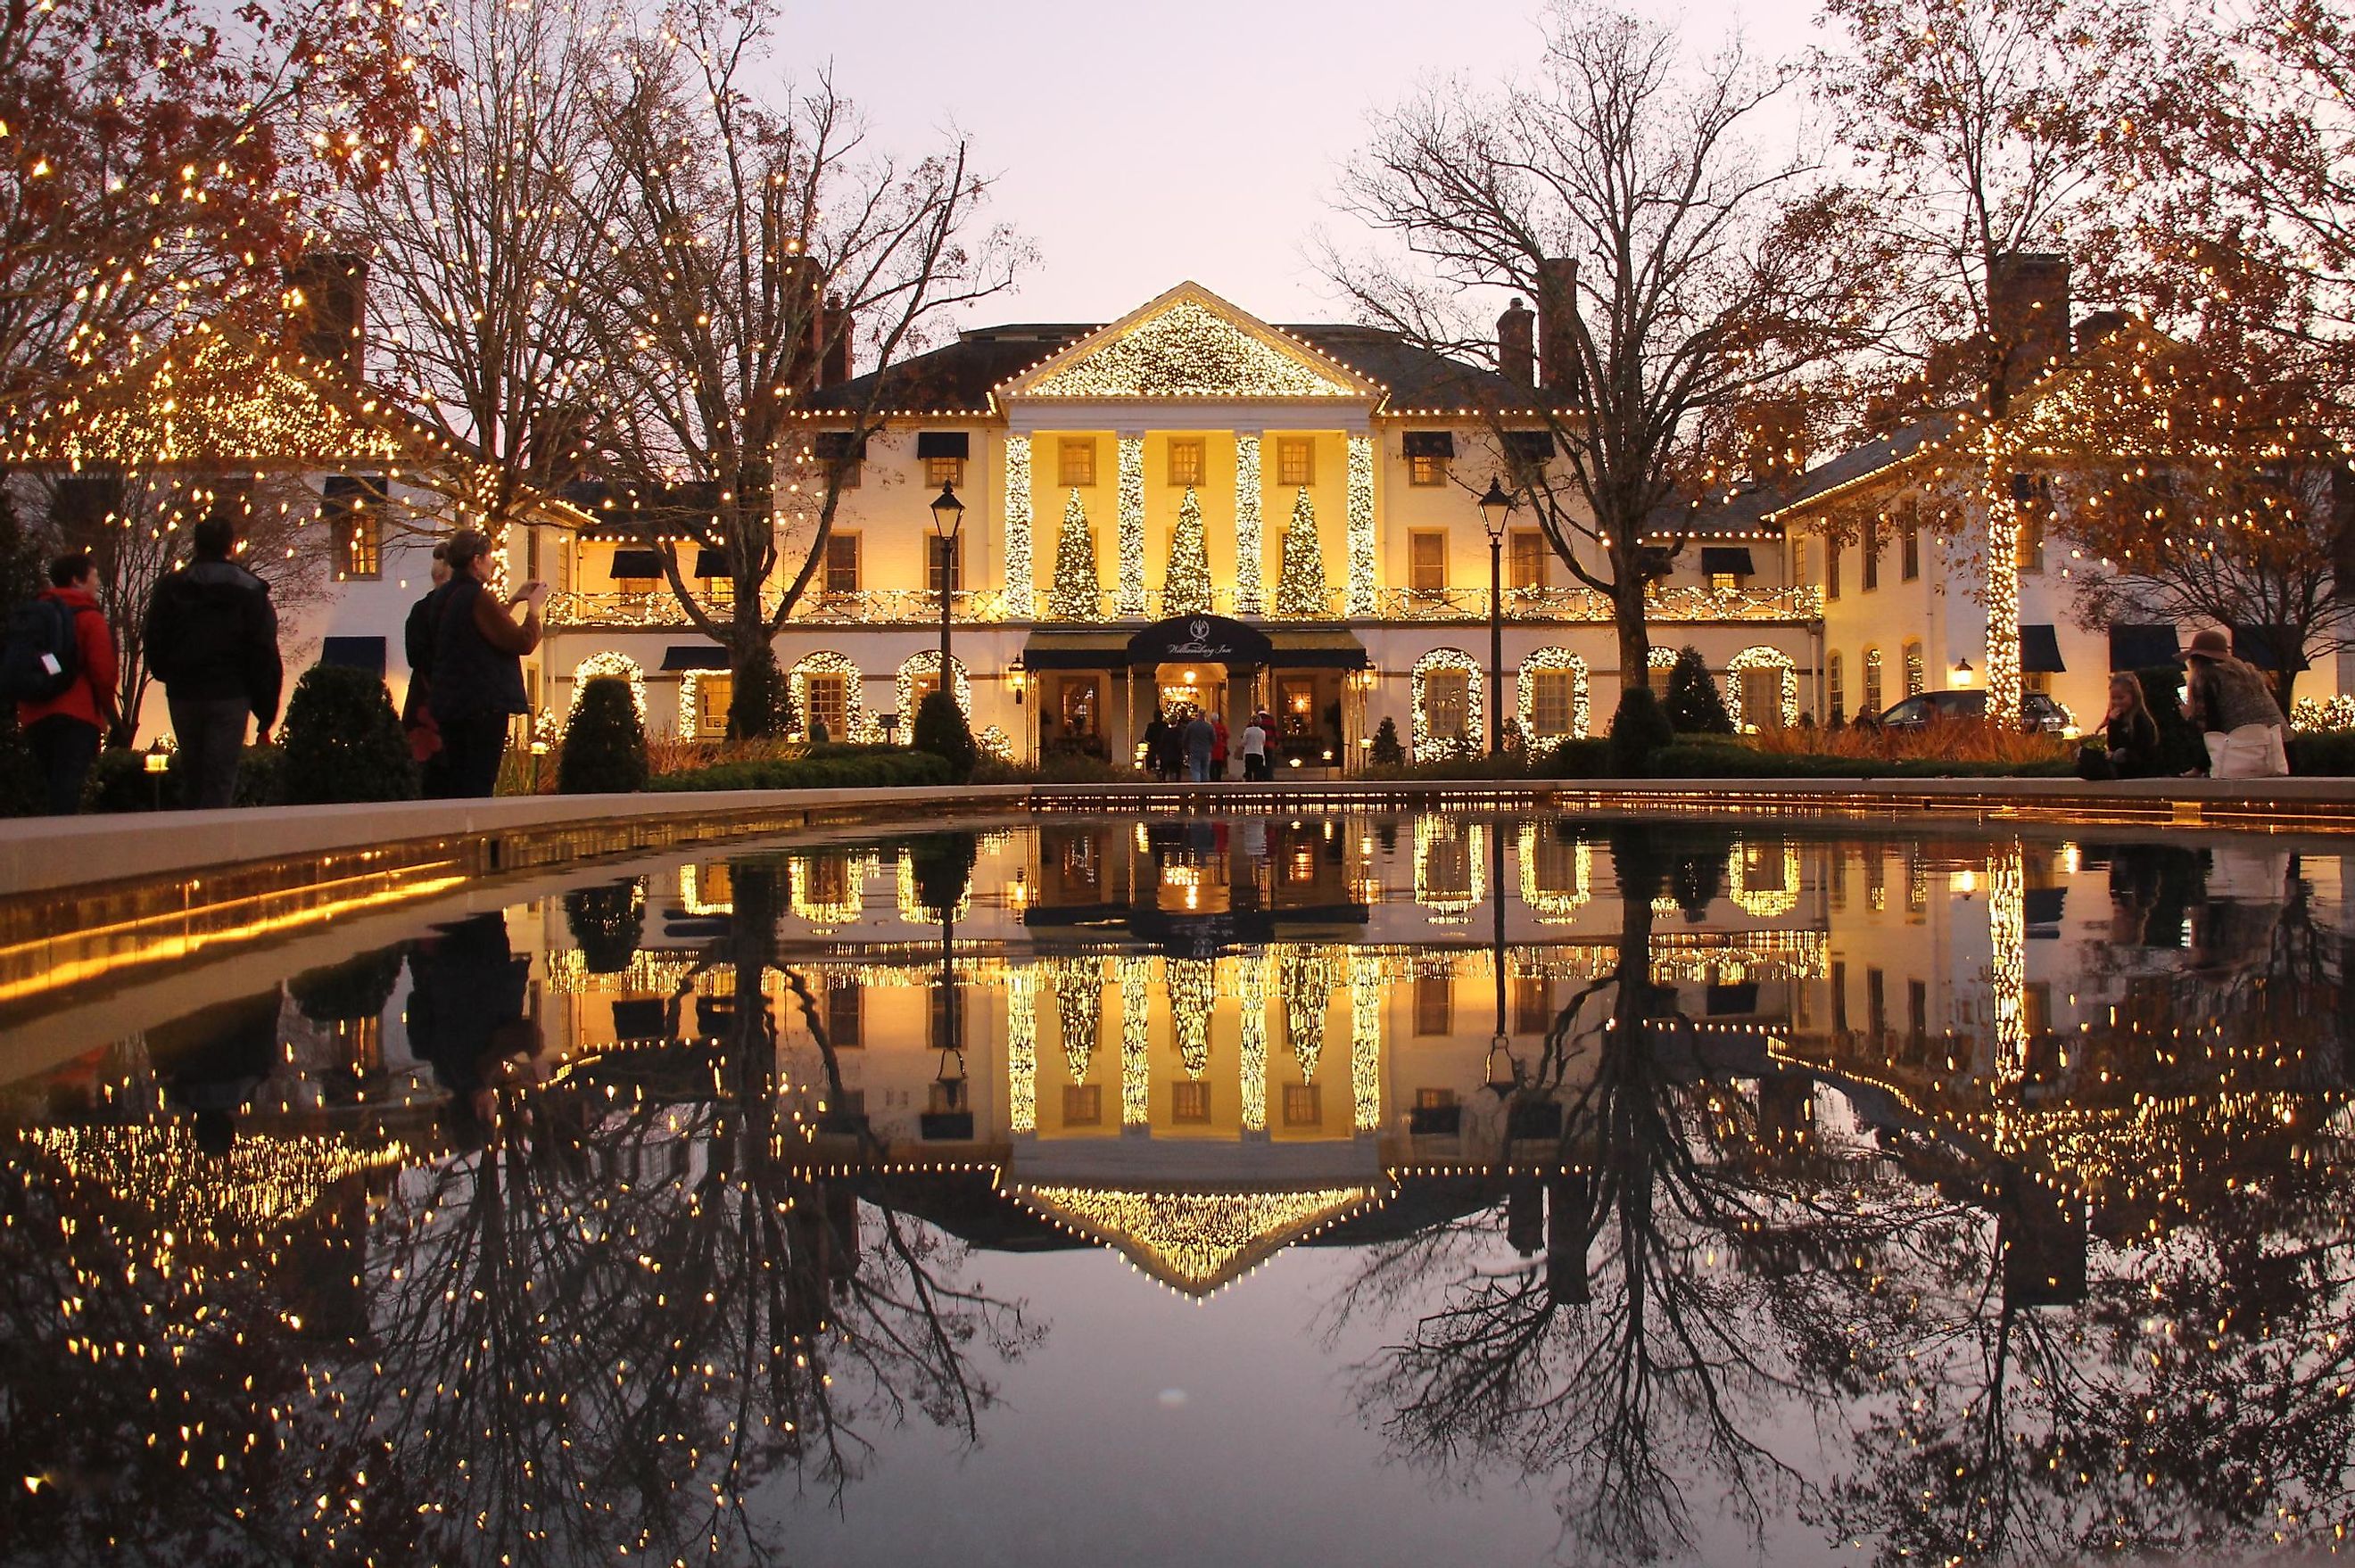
477	666
212	640
2129	733
416	709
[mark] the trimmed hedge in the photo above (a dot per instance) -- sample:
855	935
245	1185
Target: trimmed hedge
2329	755
341	741
1689	759
604	742
941	729
826	767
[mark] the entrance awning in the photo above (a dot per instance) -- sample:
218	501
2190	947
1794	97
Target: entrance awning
1323	647
1075	650
1198	639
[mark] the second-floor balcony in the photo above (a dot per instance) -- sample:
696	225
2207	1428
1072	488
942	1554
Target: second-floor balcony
916	606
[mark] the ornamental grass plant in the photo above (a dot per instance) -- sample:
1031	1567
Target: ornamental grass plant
1974	740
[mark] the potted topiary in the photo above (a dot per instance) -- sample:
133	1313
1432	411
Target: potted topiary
341	741
604	742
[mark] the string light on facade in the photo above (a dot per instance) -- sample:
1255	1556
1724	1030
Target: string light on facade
1429	747
1762	658
1135	1042
828	662
1188	350
2008	957
1131	525
1192	984
1250	547
1525	689
1450	899
1078	1009
1365	1042
1020	598
1078	592
608	664
1252	1037
1553	906
919	667
1300	591
1764	903
1194	1242
1022	1050
1186	586
1364	589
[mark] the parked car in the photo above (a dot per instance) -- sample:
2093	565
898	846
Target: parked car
2037	711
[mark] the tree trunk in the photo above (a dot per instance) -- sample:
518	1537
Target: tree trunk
752	669
1629	606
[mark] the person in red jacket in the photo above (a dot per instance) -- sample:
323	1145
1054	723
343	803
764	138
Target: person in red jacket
65	732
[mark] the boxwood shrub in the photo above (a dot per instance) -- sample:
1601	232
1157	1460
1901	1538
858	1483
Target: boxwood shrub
825	767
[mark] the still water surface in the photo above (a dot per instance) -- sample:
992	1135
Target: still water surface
1390	1190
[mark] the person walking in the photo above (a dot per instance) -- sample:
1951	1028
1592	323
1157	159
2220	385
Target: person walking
416	709
212	640
1219	744
478	648
2228	699
1254	749
1200	738
60	661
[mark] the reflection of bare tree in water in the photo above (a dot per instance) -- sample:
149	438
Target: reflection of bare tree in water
1636	1364
599	1335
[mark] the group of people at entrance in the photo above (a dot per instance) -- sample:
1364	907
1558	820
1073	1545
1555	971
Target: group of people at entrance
1187	744
210	637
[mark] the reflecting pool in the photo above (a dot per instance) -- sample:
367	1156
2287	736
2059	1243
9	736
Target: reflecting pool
1188	1189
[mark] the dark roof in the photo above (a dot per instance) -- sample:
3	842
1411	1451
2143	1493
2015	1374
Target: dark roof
1753	507
958	377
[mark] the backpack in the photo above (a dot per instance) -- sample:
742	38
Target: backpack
41	658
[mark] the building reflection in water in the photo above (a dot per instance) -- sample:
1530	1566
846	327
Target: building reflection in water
2014	1165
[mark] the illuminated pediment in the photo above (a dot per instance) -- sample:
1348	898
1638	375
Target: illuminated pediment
261	1181
1190	344
1194	1242
215	399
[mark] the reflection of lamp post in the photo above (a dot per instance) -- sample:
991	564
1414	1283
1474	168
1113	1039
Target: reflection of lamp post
1500	1085
1495	507
947	513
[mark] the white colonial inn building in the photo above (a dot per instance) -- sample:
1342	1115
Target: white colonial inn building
1186	507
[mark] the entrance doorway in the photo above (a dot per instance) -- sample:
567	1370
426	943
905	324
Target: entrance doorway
1184	688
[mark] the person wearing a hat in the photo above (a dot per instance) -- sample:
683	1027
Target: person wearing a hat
2233	708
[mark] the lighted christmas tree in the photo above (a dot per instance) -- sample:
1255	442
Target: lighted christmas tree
1078	594
1186	586
1300	591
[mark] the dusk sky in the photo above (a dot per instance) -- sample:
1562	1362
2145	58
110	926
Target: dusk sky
1141	145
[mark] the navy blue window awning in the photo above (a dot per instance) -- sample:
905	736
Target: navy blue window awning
1726	560
2039	651
954	443
354	652
695	656
1431	443
2133	646
2270	647
637	563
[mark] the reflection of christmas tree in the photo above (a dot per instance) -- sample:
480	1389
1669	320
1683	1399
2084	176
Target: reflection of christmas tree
1078	594
1079	1008
1300	591
1193	987
1186	586
1306	980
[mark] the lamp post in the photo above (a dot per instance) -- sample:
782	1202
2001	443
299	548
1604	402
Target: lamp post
948	512
1495	507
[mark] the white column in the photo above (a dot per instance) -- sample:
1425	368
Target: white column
1132	524
1249	596
1021	600
1362	594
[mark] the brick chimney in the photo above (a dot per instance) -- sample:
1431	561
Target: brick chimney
1556	324
327	309
2028	313
1516	352
834	343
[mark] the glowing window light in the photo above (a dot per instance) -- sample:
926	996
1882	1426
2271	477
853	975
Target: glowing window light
1764	903
1250	547
1553	905
1021	598
832	899
1762	658
1364	591
1450	905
